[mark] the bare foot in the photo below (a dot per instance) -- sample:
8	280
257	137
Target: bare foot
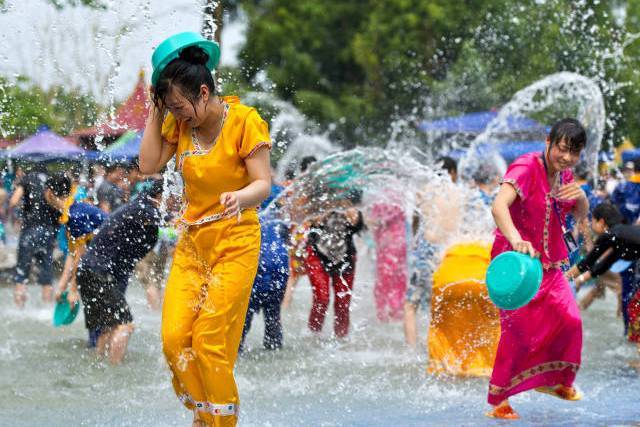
20	294
503	411
119	341
154	298
47	294
103	342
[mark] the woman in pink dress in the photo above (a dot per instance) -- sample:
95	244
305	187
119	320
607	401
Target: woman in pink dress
540	343
390	234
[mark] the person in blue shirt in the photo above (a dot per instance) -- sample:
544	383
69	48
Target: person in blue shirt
626	196
486	178
273	272
421	268
79	220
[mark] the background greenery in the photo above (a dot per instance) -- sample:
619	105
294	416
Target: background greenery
354	66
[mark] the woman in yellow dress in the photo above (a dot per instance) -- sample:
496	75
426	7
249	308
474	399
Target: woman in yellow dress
221	149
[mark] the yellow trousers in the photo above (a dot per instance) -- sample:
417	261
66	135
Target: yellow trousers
205	305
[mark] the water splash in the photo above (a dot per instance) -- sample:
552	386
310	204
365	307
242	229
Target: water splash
452	212
293	135
558	95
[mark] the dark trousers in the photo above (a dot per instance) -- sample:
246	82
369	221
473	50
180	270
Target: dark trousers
269	302
35	248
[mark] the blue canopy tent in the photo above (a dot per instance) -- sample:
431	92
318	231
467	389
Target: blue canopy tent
476	123
125	148
523	135
509	150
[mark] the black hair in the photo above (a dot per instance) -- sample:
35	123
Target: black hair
290	173
582	171
484	173
306	162
157	186
636	165
609	213
571	131
187	72
448	164
354	195
112	167
59	184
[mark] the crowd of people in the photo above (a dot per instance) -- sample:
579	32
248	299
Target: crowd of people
109	228
233	256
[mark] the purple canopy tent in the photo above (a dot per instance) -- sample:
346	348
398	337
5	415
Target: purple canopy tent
44	144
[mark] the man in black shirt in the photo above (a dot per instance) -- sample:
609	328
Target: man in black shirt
120	242
615	241
37	235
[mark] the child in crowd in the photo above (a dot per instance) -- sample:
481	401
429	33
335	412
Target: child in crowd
78	220
420	276
121	241
271	278
616	241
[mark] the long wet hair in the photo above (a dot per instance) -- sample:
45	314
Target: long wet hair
571	131
188	72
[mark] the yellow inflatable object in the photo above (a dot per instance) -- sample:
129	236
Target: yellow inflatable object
465	325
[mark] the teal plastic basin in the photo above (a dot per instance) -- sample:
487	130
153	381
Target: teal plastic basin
170	48
513	279
63	314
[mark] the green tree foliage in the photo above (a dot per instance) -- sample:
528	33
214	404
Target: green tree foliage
630	91
528	40
24	107
358	64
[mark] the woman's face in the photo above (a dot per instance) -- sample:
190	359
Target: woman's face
561	157
183	110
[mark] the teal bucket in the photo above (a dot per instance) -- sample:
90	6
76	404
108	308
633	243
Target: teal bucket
170	49
63	314
513	279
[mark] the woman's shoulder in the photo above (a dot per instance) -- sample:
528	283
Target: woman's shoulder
238	112
526	160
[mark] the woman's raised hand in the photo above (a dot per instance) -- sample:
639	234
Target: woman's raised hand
570	191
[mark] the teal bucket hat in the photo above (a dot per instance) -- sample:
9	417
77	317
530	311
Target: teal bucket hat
513	279
63	314
170	49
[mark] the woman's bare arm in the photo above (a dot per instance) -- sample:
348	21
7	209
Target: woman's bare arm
500	211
